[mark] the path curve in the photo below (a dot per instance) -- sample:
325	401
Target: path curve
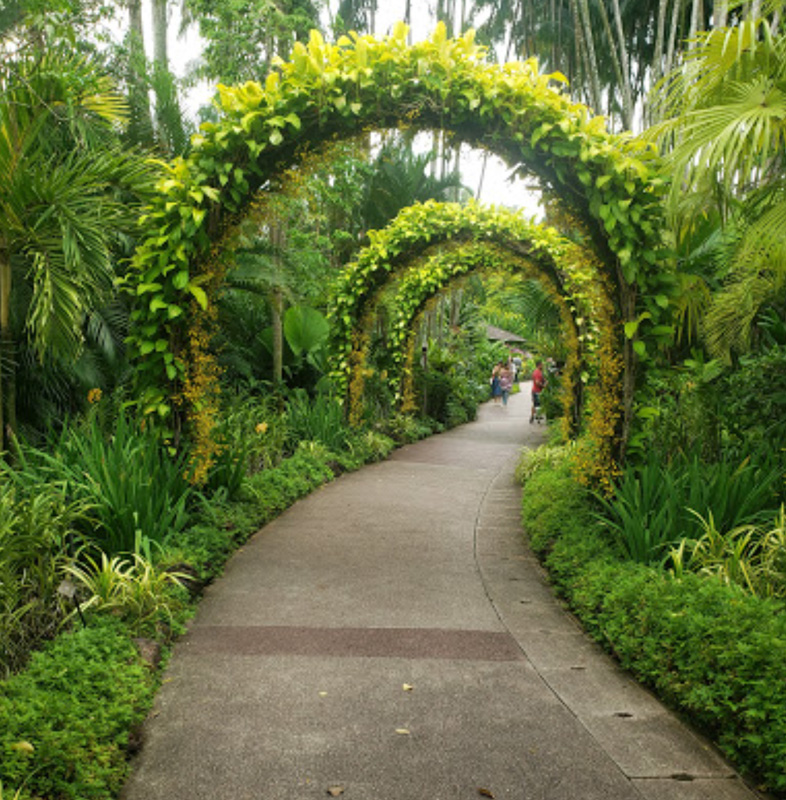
390	637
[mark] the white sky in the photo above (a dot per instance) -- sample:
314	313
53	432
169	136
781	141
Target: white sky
497	188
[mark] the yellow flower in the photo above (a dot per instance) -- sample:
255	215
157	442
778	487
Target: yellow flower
94	395
261	427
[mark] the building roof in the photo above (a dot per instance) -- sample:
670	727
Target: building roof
500	335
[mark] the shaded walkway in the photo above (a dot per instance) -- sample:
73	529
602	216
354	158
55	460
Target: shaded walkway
390	638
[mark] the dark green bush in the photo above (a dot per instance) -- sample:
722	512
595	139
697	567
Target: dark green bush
67	717
707	648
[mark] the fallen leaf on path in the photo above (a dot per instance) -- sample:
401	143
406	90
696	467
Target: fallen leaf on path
402	731
485	792
323	694
407	687
335	791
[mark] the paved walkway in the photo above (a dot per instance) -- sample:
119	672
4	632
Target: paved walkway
390	638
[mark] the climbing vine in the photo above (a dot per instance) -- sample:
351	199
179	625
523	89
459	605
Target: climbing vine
428	245
326	91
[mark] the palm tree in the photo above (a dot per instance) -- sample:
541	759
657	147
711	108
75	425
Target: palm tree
725	128
401	177
61	171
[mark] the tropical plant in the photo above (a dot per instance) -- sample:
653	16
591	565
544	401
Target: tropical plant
129	587
133	485
656	505
242	38
36	534
318	419
252	436
61	174
725	110
750	556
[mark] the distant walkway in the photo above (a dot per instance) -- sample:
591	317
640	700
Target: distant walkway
390	638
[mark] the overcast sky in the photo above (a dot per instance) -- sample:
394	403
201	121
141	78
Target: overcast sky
496	188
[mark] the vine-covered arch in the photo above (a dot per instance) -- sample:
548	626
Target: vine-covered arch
326	91
429	245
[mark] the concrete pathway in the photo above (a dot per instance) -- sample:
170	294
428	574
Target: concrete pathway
391	638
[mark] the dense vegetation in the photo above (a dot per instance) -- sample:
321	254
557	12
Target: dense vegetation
111	522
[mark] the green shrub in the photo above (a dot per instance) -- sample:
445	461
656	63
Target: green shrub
405	428
67	717
35	533
252	435
705	646
131	588
553	500
275	490
750	556
318	419
655	505
132	484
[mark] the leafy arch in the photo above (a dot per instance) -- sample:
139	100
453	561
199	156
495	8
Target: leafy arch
431	244
326	91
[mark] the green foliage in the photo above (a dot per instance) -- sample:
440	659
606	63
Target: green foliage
362	82
531	461
705	647
455	382
35	533
241	37
405	428
655	505
412	234
132	485
726	109
274	490
317	419
750	556
67	717
552	500
251	434
132	589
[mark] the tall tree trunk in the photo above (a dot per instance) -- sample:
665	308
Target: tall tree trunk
140	129
660	38
620	62
482	174
160	26
720	13
586	46
8	425
277	304
277	321
675	24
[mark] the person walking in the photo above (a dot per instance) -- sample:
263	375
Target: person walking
496	389
538	385
505	382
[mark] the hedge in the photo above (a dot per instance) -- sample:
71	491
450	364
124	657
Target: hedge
706	648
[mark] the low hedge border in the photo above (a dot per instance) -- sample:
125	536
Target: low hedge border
706	648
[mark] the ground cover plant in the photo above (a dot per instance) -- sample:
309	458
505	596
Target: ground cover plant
63	743
707	646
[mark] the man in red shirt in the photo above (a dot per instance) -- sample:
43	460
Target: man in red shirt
538	384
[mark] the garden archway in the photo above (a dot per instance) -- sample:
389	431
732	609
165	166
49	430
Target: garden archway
429	245
327	91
